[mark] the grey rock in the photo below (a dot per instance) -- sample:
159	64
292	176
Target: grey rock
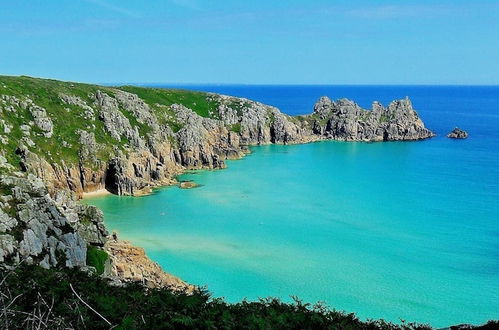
31	245
138	107
115	122
88	146
43	226
8	246
457	133
6	222
345	120
42	119
88	111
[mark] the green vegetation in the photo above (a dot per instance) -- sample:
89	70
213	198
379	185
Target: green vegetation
97	258
200	102
59	298
385	118
63	145
67	119
236	127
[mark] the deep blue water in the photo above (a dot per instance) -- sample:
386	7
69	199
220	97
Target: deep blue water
398	230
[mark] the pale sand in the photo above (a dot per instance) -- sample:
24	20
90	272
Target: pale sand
100	192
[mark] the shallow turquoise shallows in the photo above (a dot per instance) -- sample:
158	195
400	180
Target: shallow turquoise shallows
387	230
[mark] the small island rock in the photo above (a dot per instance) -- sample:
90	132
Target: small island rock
457	133
188	185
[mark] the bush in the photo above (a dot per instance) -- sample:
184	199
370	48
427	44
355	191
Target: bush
97	258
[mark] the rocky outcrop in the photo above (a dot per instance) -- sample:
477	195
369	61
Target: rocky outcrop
88	111
34	229
129	263
346	121
188	185
203	142
457	133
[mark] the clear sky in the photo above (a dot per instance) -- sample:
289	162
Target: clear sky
252	41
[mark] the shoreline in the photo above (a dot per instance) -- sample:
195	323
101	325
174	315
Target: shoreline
96	193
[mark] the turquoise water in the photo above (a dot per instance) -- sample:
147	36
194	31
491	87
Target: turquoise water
387	230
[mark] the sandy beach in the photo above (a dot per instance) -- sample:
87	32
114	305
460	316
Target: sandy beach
100	192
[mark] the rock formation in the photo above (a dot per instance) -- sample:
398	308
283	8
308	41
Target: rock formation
35	229
344	120
457	133
129	263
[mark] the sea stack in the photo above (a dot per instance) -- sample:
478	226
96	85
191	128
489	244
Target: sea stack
457	133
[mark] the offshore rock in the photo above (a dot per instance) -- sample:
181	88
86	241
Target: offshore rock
346	121
457	133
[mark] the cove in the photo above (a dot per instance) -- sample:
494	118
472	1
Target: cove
398	230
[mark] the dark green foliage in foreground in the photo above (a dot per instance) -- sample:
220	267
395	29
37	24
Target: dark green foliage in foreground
96	258
31	297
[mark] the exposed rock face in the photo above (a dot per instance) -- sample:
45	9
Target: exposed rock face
139	108
35	229
345	120
457	133
129	263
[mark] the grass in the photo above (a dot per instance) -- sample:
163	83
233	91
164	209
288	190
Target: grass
236	128
97	258
199	102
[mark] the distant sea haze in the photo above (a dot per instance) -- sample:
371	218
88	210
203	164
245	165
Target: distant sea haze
396	230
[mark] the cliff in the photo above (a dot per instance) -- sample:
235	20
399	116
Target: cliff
60	139
346	121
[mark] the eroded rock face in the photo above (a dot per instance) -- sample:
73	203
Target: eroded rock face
129	263
116	123
457	133
36	230
345	120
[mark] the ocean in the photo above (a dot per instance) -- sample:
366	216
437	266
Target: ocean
395	230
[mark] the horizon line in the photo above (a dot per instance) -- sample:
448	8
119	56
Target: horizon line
160	84
173	84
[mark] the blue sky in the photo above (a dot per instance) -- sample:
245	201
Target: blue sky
252	42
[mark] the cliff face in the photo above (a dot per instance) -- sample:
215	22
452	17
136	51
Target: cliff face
129	263
67	139
344	120
36	228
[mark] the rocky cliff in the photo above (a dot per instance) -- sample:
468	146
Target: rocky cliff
346	121
59	140
457	133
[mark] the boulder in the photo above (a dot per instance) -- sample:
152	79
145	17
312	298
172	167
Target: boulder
457	133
